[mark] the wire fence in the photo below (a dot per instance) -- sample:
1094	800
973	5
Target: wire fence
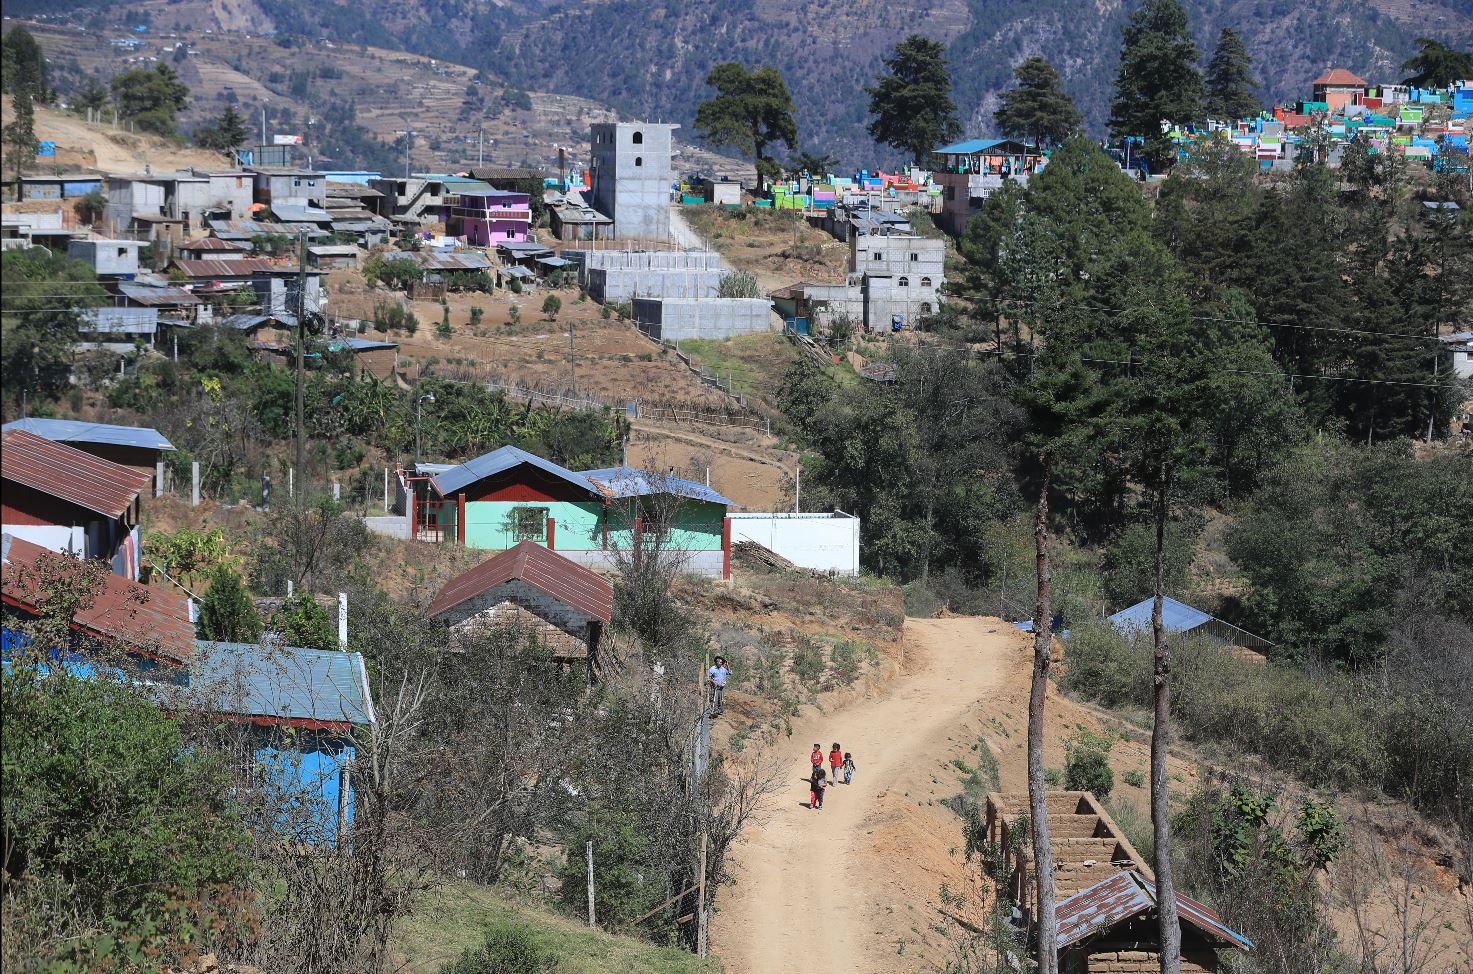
366	491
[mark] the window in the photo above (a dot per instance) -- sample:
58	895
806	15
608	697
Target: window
296	182
122	251
904	282
925	282
639	138
528	523
879	256
639	160
915	257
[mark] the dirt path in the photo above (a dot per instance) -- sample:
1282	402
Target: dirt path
838	889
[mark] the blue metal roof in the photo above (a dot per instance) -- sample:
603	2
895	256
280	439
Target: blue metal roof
498	460
620	482
286	682
1178	616
972	146
76	431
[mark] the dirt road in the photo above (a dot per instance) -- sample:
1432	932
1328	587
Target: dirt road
847	888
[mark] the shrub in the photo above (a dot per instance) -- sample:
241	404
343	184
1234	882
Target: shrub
302	622
551	305
508	950
1133	778
808	662
1088	769
921	602
226	612
476	314
848	658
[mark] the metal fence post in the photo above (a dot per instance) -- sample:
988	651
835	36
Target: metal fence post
194	488
158	479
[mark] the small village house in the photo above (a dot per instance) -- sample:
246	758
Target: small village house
487	216
285	186
1337	89
108	258
210	248
563	604
508	496
968	172
167	206
62	187
65	499
140	448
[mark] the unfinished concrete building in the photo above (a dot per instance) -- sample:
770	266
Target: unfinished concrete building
892	281
681	319
629	177
622	275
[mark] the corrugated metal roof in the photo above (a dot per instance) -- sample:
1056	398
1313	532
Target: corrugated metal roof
76	431
157	296
498	460
225	267
249	322
621	482
213	244
70	474
1180	617
459	261
547	571
152	620
971	146
298	213
127	321
288	683
1126	895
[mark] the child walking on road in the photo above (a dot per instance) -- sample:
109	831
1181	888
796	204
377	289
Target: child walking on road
836	761
816	785
848	768
816	758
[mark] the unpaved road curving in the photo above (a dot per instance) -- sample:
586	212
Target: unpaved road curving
845	888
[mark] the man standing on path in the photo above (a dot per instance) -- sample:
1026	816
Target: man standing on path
717	677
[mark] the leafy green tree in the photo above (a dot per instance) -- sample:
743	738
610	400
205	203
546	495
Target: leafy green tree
912	105
1435	65
1038	110
443	329
226	613
750	111
39	331
302	622
151	97
20	135
1158	81
1230	84
91	207
812	162
551	305
24	70
105	809
1208	212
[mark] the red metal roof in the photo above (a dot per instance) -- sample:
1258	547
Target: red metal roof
1126	895
152	621
222	267
1339	78
66	472
547	571
213	243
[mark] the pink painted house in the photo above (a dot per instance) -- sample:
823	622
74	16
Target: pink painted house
486	217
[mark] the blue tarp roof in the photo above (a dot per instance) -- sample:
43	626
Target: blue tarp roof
76	431
498	460
620	482
288	682
1178	616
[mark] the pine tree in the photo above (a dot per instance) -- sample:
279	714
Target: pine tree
1038	110
1230	84
24	66
1436	65
750	111
912	105
20	134
226	613
1158	82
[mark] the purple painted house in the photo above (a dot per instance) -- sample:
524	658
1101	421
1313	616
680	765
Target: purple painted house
486	217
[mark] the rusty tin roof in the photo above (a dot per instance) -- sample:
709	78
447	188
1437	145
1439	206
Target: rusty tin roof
1125	895
70	474
547	571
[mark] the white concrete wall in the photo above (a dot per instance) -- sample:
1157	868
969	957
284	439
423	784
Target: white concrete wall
51	536
669	319
822	542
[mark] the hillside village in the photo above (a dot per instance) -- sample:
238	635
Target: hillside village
381	541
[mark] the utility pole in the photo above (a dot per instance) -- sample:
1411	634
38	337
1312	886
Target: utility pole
698	789
301	465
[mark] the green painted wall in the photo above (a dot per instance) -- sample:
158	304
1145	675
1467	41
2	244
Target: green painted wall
578	524
697	527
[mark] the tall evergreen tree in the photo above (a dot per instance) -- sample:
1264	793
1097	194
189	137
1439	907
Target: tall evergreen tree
225	134
1435	65
750	111
1038	110
24	66
226	613
1158	83
1230	85
1207	215
19	137
152	98
912	105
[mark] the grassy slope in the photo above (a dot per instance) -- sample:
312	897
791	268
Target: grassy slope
454	918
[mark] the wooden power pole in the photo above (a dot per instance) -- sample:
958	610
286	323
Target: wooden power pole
301	466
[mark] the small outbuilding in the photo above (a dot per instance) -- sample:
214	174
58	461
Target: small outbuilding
567	605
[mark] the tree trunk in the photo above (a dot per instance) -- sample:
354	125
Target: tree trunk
1160	740
1043	633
